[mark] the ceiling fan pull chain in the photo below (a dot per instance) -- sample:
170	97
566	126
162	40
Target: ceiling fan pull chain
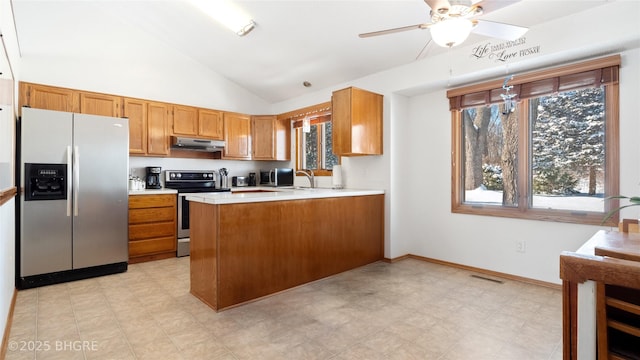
450	67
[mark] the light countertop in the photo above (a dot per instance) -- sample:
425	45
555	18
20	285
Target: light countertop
153	192
262	194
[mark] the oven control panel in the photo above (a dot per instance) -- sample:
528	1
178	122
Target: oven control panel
195	176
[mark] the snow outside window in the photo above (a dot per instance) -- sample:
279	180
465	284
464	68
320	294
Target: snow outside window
553	157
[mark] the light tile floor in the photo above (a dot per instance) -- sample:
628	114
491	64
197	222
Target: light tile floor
406	310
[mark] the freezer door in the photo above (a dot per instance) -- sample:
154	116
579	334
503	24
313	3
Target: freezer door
45	225
100	209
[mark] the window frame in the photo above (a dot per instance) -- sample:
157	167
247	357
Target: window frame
321	148
320	113
524	209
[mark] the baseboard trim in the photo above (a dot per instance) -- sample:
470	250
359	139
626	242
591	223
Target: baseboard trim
7	328
399	258
478	270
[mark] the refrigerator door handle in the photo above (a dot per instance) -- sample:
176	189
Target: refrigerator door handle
69	185
76	178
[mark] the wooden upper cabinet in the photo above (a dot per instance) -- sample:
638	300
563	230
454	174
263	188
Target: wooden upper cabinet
136	111
197	122
357	122
100	104
237	135
271	138
48	97
210	124
157	128
62	99
185	120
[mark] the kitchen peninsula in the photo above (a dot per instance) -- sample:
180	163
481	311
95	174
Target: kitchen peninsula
248	245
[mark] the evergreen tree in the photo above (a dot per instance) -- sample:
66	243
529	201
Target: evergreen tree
568	140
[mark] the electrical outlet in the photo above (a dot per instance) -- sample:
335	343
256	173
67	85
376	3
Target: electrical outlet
521	246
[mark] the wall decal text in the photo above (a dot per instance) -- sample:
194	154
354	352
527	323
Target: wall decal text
504	51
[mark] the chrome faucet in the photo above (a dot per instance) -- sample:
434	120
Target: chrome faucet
309	174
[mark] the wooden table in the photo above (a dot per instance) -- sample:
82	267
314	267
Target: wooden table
609	257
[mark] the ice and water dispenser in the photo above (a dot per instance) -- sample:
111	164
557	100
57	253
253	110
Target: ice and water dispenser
45	181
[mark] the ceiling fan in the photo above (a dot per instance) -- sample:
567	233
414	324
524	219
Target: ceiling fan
453	20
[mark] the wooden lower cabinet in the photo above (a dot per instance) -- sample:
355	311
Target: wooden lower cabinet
152	227
289	243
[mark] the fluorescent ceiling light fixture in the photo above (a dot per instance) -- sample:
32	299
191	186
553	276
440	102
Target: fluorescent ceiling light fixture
451	32
227	13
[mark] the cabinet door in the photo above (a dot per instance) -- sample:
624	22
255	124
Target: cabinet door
357	122
237	135
136	111
152	201
152	227
282	138
48	97
100	104
341	121
185	120
210	124
263	137
157	129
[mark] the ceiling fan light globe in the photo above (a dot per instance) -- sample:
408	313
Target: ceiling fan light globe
451	32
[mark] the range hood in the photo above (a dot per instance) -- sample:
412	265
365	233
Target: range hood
194	144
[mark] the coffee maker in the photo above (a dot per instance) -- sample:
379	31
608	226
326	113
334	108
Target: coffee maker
153	177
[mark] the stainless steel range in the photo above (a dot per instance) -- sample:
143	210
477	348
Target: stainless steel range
190	182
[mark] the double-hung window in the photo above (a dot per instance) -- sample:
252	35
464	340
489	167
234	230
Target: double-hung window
314	144
550	154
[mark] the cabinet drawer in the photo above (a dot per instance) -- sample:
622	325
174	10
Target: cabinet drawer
139	216
152	246
150	201
152	230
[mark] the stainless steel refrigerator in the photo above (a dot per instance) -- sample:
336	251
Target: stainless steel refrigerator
74	196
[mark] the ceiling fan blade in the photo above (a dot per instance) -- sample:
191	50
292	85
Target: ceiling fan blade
499	30
394	30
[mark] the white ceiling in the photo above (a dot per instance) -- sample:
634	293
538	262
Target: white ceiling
294	40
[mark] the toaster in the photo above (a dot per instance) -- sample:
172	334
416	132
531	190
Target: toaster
239	181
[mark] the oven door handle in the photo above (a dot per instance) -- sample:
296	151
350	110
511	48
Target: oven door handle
183	229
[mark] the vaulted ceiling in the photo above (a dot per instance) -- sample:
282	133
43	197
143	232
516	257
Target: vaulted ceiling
294	40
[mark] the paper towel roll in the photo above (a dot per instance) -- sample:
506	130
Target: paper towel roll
336	179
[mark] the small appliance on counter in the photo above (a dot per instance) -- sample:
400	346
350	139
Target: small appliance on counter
277	177
153	177
336	177
223	173
239	181
135	183
252	179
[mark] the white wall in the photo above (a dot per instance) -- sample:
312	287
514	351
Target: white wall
7	137
431	230
414	170
160	75
419	187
